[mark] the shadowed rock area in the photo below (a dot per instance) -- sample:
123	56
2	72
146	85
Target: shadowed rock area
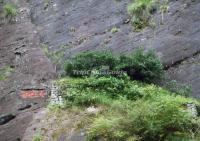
188	72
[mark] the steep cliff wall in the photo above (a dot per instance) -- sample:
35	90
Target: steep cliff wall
73	26
28	66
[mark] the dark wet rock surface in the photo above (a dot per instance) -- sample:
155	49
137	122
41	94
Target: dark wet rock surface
6	118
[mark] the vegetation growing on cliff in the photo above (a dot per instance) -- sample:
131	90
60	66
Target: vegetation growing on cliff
151	118
140	65
141	12
37	138
130	110
114	30
9	11
5	72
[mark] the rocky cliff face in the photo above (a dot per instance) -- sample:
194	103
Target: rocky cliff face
72	26
75	26
20	51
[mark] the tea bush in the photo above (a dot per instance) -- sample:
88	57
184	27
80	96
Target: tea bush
143	66
145	119
140	65
133	110
74	94
97	90
88	61
74	89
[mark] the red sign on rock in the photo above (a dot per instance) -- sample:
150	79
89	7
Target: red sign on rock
27	94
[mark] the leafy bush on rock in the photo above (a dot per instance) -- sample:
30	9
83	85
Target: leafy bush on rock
143	66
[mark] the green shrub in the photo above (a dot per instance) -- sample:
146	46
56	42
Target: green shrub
37	138
141	11
89	61
139	24
98	90
9	11
73	93
2	76
109	85
114	30
143	66
86	92
138	7
146	119
5	72
92	89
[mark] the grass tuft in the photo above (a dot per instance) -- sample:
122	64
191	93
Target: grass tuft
9	11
